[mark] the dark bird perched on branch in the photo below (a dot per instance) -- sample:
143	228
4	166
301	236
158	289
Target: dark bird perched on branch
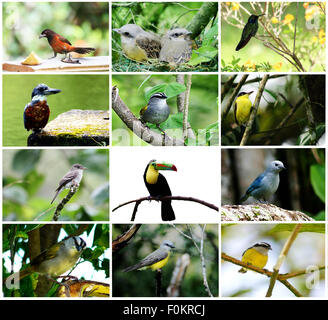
61	45
158	186
156	111
36	113
249	31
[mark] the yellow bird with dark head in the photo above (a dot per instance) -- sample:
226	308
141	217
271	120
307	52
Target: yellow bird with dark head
257	255
158	186
242	107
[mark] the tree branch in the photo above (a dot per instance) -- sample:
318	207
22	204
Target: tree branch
149	198
254	110
137	127
282	258
62	203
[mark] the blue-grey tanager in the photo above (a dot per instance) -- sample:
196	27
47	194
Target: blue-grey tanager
266	184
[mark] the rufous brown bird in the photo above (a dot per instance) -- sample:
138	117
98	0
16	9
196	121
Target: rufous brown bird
61	45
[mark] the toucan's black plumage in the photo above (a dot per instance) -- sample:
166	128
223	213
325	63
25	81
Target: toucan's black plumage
160	189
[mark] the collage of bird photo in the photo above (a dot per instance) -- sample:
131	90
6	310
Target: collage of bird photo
180	145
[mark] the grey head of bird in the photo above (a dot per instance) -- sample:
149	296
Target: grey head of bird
178	34
78	166
130	31
167	244
275	166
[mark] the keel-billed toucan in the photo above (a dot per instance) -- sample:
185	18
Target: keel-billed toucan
158	186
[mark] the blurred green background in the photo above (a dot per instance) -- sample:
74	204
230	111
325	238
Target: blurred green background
306	253
310	43
76	21
203	108
147	239
30	178
158	18
78	92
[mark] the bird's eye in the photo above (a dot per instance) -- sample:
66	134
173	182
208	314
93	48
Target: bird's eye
176	34
126	34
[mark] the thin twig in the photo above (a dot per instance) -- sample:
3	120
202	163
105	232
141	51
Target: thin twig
254	110
233	96
282	258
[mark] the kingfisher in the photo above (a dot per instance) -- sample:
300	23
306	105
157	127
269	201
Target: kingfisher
36	113
249	31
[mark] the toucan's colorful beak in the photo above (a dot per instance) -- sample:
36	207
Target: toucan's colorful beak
165	166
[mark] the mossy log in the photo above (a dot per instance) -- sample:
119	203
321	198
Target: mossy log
74	128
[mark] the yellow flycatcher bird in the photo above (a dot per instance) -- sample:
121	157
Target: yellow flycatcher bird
156	260
242	107
257	255
137	44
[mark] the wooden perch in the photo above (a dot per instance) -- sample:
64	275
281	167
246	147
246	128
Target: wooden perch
62	203
100	63
261	212
137	127
74	128
122	240
149	198
179	271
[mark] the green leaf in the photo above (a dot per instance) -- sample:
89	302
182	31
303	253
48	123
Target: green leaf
210	36
306	227
317	177
100	195
26	160
171	89
203	54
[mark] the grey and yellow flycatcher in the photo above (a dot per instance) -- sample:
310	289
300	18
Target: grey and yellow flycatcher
138	44
156	260
256	255
176	46
72	178
242	107
156	111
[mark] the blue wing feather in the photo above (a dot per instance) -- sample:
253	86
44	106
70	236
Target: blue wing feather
255	184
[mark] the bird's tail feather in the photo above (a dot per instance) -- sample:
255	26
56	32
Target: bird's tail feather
131	268
83	50
167	211
243	198
56	194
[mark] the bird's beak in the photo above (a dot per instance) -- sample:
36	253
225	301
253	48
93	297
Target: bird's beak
117	30
283	168
249	93
50	91
84	168
165	166
42	36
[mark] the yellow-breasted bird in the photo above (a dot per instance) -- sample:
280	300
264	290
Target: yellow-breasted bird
242	107
256	255
156	260
158	186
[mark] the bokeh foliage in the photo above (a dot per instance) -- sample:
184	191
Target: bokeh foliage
280	19
148	238
29	184
135	91
76	21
